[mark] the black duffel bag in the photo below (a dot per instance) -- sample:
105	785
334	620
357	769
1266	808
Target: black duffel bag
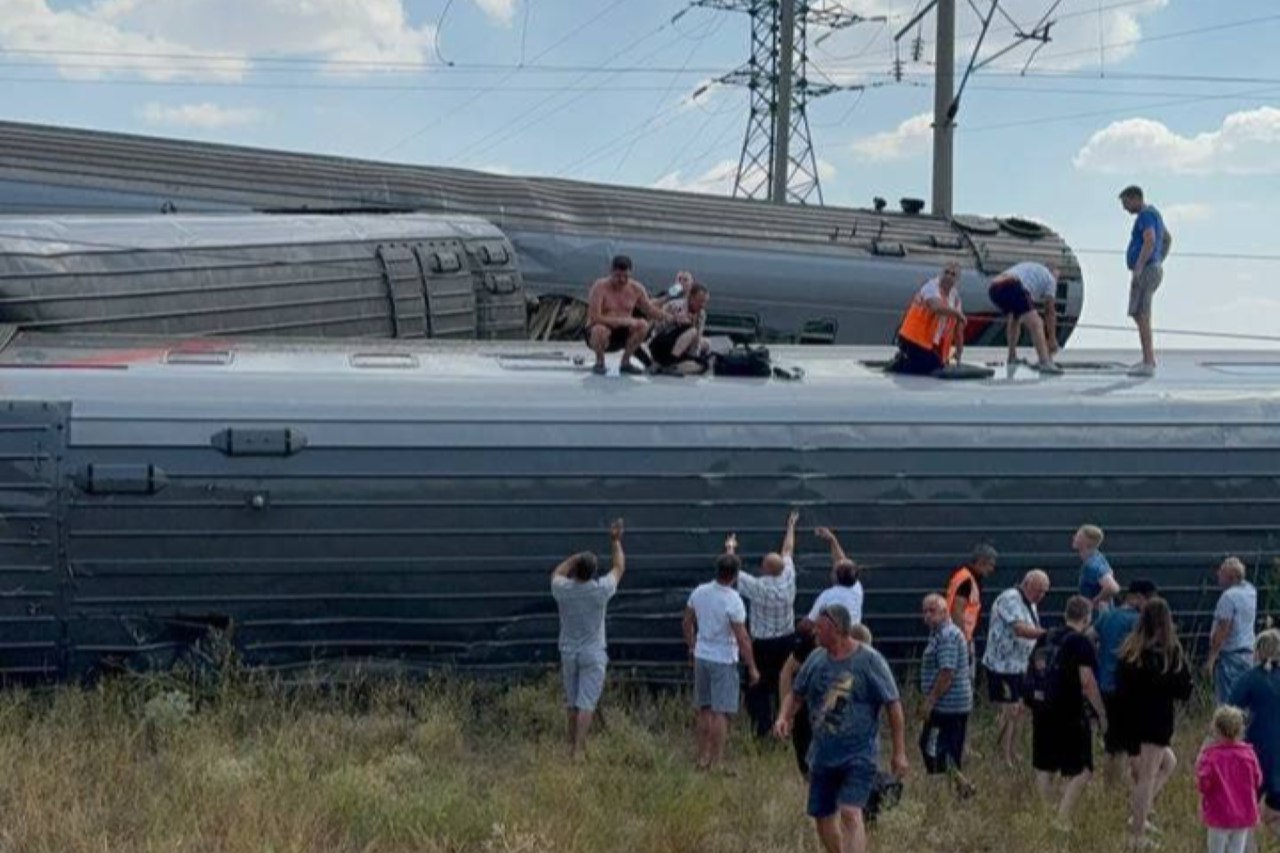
743	360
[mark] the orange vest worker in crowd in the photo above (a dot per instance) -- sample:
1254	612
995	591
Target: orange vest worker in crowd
964	590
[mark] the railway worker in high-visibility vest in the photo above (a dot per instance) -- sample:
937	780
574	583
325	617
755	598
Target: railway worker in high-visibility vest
964	590
934	326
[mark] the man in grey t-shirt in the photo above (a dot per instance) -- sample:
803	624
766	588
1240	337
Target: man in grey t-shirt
582	598
1234	623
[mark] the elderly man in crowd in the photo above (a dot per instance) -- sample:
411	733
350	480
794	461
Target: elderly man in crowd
947	687
1232	638
844	684
772	597
582	599
1014	629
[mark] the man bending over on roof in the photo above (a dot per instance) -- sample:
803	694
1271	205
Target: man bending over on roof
678	342
612	323
933	327
1020	292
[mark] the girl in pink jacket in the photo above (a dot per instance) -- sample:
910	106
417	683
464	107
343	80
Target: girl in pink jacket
1228	776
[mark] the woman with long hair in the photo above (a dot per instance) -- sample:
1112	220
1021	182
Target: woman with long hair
1153	674
1258	693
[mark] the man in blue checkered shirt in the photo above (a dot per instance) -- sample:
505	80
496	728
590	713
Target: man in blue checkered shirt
772	622
948	695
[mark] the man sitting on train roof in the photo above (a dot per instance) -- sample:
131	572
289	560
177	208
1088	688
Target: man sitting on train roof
612	323
1020	292
678	345
933	327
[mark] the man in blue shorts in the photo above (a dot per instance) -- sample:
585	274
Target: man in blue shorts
1021	292
844	684
1149	245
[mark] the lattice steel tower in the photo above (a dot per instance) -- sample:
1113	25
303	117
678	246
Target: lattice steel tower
776	165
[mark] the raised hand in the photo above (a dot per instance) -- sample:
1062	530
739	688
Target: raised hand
615	530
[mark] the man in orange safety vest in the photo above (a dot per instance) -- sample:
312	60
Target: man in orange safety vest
933	327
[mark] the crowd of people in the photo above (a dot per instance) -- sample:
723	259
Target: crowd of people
1115	664
932	332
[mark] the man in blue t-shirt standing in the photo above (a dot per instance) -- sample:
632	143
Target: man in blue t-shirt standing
1149	245
843	686
1097	580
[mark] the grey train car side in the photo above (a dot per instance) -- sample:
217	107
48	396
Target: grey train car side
395	275
330	503
793	273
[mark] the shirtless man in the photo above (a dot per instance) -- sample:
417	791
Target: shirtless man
611	321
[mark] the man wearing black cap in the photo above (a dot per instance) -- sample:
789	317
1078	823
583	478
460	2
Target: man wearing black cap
843	685
612	323
1109	631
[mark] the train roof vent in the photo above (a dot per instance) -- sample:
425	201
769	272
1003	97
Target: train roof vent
1245	368
976	224
946	241
384	360
216	358
887	248
541	361
1023	227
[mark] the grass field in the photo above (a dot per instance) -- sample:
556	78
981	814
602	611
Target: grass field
155	765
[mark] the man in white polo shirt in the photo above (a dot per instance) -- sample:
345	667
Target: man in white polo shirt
716	633
845	589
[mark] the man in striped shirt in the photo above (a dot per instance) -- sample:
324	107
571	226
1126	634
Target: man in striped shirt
772	622
948	695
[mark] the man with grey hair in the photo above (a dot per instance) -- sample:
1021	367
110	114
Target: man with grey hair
1232	638
845	589
844	685
1149	245
947	688
582	599
771	621
964	591
1014	630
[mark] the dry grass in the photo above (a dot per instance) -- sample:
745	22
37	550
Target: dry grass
451	766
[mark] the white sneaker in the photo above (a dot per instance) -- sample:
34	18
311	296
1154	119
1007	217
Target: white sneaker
1142	369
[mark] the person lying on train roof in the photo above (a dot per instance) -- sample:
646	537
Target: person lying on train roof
933	329
678	345
612	323
1021	292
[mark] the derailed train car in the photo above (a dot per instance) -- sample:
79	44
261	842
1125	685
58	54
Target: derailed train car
817	275
327	503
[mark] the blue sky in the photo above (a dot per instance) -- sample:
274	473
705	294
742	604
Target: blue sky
1181	96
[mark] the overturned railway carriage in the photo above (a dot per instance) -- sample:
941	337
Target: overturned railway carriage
327	503
816	275
389	276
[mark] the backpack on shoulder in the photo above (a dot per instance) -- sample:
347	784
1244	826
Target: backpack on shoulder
1042	684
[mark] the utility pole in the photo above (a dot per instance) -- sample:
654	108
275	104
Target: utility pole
778	162
782	112
944	109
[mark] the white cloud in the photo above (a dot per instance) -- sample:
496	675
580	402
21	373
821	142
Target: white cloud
1186	213
719	179
911	138
499	11
169	33
1247	143
205	116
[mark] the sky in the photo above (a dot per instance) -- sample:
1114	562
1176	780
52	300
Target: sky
1179	96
